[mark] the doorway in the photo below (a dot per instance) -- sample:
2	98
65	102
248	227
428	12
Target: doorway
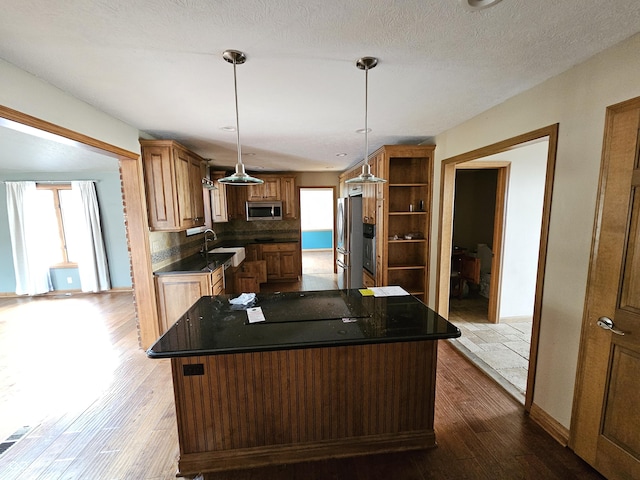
496	224
317	225
503	269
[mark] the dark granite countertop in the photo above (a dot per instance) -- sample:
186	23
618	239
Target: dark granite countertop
195	263
198	263
259	240
300	320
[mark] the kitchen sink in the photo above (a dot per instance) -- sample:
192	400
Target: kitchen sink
238	254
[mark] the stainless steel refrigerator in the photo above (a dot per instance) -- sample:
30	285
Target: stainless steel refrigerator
349	242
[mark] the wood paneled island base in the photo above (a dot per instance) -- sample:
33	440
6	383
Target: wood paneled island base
245	410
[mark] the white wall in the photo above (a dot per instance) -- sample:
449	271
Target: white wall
525	198
28	94
577	100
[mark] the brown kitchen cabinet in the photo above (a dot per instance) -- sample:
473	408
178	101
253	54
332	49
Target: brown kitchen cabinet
275	188
177	292
173	184
236	202
284	260
267	191
289	198
400	210
218	198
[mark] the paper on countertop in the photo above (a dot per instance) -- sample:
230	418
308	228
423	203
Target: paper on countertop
366	292
390	291
255	315
244	299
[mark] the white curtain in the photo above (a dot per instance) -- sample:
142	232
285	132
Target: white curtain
31	270
92	259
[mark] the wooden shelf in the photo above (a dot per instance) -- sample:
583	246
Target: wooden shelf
404	240
392	185
422	212
409	172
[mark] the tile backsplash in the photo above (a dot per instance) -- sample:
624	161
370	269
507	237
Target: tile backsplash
169	247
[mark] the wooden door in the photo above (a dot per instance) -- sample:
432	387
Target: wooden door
219	199
183	187
273	264
288	264
177	293
605	427
289	198
196	172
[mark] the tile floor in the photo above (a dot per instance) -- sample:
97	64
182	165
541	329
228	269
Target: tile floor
500	349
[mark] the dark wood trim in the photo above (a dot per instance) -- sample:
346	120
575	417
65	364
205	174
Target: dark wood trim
41	128
447	177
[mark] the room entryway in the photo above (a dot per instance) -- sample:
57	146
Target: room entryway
504	341
317	226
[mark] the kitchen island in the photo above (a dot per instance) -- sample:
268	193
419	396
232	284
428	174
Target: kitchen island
326	374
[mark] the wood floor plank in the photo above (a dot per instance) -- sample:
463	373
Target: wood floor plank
127	429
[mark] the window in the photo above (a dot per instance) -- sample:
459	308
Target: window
59	221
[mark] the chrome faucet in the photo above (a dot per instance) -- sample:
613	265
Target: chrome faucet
206	240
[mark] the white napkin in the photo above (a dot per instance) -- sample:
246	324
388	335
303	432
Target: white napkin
244	299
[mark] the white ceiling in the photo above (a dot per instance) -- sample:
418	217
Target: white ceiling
157	65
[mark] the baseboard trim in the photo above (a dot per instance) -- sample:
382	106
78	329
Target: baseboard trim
255	457
57	293
550	425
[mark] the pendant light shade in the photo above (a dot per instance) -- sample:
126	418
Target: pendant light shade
366	64
239	177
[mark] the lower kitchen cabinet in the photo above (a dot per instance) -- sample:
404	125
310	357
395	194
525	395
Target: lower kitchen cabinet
177	292
284	261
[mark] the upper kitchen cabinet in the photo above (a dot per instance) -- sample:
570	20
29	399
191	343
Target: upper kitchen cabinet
267	191
275	188
218	197
289	197
173	183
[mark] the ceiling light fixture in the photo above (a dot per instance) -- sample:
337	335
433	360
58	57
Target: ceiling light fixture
473	5
240	177
366	64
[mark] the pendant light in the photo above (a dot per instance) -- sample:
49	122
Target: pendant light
240	177
366	64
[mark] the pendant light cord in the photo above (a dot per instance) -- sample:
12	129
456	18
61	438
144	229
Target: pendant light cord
366	115
235	88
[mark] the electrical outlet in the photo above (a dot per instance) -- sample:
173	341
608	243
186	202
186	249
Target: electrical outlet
69	280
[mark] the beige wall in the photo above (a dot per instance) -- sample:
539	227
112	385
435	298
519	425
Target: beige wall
28	94
317	179
577	100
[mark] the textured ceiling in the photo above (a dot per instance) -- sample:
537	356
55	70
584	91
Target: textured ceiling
157	65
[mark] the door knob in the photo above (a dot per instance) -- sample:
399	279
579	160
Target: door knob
607	324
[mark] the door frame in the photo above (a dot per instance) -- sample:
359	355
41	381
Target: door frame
334	208
447	192
135	211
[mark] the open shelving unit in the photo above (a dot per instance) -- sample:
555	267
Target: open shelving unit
406	217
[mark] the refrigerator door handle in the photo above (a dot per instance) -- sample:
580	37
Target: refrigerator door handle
341	264
342	251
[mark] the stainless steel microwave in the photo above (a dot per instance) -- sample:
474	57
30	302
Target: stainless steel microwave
264	211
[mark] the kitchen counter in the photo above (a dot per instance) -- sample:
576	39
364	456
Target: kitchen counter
300	320
195	263
328	374
262	240
198	263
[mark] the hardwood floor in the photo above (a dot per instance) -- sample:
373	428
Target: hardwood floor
98	408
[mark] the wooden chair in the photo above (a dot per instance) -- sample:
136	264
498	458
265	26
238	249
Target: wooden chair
464	269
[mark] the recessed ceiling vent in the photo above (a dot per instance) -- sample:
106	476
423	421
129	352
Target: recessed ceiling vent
473	5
